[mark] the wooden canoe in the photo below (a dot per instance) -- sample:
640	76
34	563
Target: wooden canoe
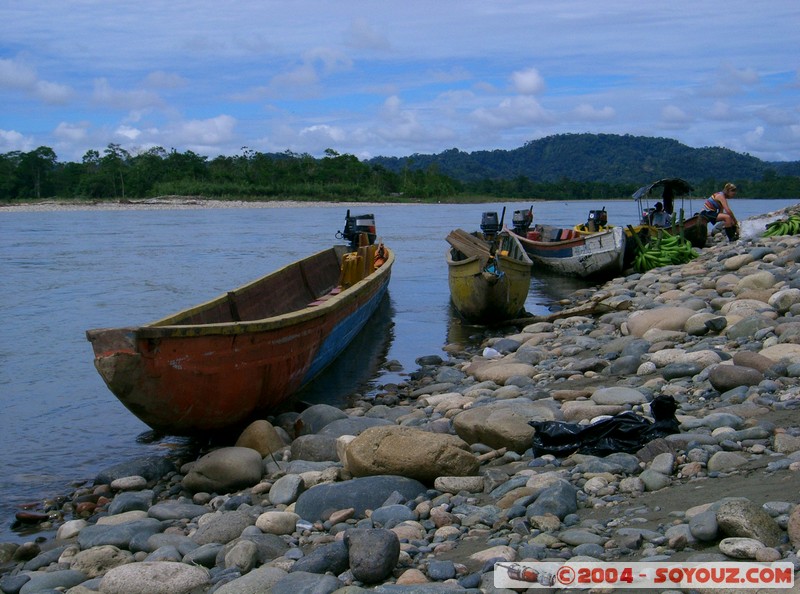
695	229
489	280
212	366
569	252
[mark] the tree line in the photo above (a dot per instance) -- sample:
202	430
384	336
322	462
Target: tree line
117	174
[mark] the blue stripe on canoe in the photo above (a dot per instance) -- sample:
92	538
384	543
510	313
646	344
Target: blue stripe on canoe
343	334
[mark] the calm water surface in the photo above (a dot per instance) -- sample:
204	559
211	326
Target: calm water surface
65	272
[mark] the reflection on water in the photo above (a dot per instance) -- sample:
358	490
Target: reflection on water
548	287
356	369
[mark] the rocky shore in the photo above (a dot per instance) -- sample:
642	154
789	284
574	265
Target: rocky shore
424	487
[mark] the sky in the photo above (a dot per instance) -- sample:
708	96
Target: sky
375	78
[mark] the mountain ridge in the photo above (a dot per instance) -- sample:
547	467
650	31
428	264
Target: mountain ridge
610	158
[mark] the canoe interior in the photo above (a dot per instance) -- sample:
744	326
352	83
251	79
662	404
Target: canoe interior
288	289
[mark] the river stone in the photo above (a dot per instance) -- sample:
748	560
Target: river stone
758	280
618	396
242	556
277	522
725	461
456	484
303	582
559	500
48	581
746	308
587	410
150	467
748	327
752	360
740	548
315	417
157	577
98	560
222	527
129	483
736	262
662	318
224	470
742	518
785	443
258	581
353	425
183	544
784	299
69	529
131	501
359	493
315	447
409	452
327	558
728	377
698	325
262	437
499	372
578	536
501	424
373	553
174	510
703	525
790	353
120	535
286	489
793	527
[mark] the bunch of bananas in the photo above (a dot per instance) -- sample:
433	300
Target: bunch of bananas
789	226
663	251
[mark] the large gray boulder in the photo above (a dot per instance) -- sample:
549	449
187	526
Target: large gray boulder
359	493
409	452
225	470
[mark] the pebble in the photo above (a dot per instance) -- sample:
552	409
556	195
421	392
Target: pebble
433	480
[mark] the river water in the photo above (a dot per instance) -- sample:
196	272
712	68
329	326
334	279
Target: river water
63	272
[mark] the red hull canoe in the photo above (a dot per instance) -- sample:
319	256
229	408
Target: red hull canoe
212	366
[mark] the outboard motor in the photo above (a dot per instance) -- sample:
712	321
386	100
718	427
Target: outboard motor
597	219
490	225
355	225
521	221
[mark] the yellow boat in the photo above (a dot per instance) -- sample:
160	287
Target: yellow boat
489	275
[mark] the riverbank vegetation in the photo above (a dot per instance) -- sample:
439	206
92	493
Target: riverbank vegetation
116	174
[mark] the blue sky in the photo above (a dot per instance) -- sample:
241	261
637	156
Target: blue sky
370	78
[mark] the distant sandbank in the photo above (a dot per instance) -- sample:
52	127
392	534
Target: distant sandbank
175	202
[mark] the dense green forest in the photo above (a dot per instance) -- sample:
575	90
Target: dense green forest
570	166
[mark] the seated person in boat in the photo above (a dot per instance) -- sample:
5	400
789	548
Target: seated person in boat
659	217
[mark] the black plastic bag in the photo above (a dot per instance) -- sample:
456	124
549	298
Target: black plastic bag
626	432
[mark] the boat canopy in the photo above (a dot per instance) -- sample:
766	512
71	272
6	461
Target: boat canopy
678	186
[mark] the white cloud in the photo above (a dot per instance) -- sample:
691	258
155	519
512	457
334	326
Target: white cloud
528	82
165	80
18	76
589	113
105	95
14	75
672	115
11	140
323	133
71	132
209	132
360	34
128	132
513	112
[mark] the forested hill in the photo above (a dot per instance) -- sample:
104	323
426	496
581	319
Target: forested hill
608	158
